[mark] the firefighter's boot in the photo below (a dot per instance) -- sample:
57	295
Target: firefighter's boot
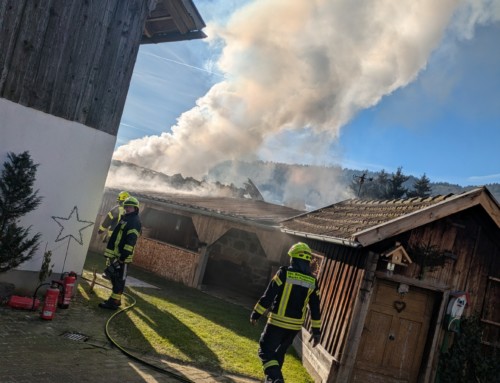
271	380
273	375
111	304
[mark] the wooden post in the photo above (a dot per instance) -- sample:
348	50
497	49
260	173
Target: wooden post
200	270
360	311
94	276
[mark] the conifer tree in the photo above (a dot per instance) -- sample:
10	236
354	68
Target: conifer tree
396	189
381	185
421	187
17	198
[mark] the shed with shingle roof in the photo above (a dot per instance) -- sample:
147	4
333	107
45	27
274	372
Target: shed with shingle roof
215	242
388	272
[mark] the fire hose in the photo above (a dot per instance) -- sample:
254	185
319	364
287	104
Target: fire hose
127	353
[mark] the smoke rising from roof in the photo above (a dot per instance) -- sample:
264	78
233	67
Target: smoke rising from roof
306	65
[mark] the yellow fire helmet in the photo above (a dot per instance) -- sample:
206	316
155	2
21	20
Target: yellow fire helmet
131	201
122	196
300	250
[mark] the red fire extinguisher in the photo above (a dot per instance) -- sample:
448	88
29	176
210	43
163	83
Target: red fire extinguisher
50	304
68	285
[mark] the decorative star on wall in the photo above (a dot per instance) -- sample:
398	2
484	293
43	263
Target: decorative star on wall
72	226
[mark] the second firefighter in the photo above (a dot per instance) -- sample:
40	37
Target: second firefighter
286	298
120	251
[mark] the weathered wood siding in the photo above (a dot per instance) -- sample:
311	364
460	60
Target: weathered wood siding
470	237
41	67
472	263
340	278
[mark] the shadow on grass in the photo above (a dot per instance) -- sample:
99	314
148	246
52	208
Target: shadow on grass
162	324
155	321
215	309
117	324
152	331
229	315
129	336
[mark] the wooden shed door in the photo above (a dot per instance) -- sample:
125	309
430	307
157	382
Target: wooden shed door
392	342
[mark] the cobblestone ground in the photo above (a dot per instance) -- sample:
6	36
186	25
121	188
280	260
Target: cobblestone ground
73	347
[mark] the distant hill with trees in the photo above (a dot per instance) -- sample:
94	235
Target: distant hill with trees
399	185
275	179
304	187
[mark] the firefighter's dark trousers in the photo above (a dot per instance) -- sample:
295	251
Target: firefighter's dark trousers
118	282
273	344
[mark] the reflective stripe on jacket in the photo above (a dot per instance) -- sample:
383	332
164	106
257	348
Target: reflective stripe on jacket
122	242
112	218
287	297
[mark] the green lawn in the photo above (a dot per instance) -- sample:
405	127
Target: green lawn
187	325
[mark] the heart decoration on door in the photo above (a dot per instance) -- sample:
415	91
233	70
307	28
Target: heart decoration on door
399	306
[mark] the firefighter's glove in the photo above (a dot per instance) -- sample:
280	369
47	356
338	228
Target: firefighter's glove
112	270
254	317
314	339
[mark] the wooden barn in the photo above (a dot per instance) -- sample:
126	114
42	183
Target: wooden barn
389	270
225	244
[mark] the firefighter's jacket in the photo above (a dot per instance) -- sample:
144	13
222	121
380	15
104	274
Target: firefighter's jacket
122	242
112	218
287	297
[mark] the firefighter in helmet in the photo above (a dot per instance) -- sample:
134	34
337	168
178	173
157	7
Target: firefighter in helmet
286	298
113	216
112	219
120	251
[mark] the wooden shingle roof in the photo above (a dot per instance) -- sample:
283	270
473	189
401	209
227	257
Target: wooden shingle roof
241	209
358	223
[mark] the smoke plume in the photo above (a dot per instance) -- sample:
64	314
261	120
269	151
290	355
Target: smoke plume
302	66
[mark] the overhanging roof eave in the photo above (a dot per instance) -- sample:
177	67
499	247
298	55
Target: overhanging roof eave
172	37
324	238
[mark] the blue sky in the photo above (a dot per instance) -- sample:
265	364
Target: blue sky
414	88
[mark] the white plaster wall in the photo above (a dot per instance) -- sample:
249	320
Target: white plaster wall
73	164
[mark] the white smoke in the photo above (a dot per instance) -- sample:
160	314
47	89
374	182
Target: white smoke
303	65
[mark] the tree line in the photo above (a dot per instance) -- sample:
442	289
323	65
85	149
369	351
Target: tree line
385	186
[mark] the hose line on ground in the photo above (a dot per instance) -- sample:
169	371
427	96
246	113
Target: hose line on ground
124	351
